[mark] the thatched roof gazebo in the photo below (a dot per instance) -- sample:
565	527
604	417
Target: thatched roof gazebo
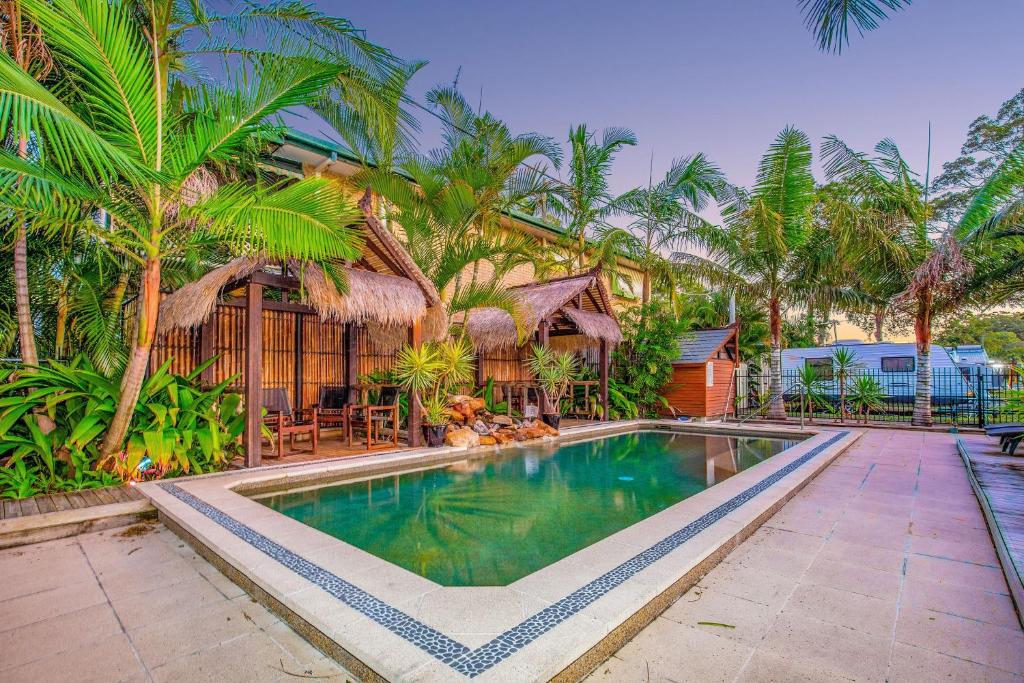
570	313
298	327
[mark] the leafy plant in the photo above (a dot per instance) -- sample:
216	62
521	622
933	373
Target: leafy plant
866	394
487	393
554	371
844	360
431	371
812	390
643	362
20	480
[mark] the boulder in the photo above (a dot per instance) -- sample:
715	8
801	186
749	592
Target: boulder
455	415
462	437
480	428
501	437
534	433
477	404
546	428
488	441
502	420
456	399
465	411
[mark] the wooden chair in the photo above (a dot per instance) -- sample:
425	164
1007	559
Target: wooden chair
283	421
374	418
332	406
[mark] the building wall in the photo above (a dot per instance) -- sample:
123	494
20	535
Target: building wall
689	394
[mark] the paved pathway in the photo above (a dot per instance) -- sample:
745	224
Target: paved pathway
109	607
881	569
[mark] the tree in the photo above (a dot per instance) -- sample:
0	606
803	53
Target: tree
171	164
450	215
990	140
24	43
650	343
1002	334
769	227
937	273
830	20
585	196
665	218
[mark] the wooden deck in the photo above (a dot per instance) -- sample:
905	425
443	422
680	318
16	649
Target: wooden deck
332	445
57	502
999	480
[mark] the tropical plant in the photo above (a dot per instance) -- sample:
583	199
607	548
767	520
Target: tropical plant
844	361
811	387
829	20
978	259
431	371
865	395
450	215
486	392
553	371
665	219
177	428
586	199
131	139
643	361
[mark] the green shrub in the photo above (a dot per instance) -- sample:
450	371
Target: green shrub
643	362
52	421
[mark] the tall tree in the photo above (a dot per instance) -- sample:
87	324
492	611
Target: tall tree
126	135
586	197
23	42
665	219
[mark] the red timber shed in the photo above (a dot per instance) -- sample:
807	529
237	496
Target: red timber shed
704	374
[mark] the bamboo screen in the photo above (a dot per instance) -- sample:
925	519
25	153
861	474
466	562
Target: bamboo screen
322	344
506	365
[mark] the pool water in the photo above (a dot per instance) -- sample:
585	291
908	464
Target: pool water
488	522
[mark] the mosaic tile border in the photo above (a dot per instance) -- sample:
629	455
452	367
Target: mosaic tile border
462	659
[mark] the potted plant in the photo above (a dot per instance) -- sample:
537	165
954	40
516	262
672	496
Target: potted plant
554	372
430	372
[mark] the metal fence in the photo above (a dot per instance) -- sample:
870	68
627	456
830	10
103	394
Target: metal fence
963	396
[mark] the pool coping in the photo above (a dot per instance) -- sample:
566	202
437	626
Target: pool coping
386	623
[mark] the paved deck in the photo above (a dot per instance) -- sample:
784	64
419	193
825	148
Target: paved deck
111	606
880	570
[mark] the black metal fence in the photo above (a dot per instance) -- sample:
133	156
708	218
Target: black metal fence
963	396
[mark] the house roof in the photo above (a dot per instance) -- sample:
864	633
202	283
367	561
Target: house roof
700	345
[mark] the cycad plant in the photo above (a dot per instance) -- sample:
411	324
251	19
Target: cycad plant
812	390
844	361
554	371
167	164
866	395
431	371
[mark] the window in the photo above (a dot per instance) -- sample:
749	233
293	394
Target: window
897	364
822	368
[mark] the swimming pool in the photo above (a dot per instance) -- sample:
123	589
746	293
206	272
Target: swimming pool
491	521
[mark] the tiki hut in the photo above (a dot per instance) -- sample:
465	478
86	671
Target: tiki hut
293	326
570	313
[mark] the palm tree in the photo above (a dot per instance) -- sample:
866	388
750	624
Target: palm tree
769	229
450	215
133	140
666	219
24	43
586	198
933	269
830	20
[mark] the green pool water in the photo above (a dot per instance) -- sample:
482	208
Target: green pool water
489	522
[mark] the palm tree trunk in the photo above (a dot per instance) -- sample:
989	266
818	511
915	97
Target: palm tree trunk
879	316
776	404
138	361
646	294
923	336
26	330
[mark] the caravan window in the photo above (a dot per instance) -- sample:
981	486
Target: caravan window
822	368
897	364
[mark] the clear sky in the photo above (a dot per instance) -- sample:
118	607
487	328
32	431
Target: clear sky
715	77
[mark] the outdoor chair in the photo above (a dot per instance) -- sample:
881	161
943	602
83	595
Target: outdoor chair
1009	435
374	418
283	421
332	406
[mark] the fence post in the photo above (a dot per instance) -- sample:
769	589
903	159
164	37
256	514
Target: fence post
981	398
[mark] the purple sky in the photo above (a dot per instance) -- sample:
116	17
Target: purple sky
718	77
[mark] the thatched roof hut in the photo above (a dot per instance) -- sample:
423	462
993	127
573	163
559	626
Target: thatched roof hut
577	309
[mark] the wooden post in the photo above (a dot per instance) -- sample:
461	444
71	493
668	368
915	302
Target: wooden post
298	360
604	362
253	374
351	351
208	346
415	418
543	332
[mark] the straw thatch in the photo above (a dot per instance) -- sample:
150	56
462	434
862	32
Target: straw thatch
596	326
384	300
492	328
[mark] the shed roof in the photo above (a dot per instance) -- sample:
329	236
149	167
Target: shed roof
700	345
